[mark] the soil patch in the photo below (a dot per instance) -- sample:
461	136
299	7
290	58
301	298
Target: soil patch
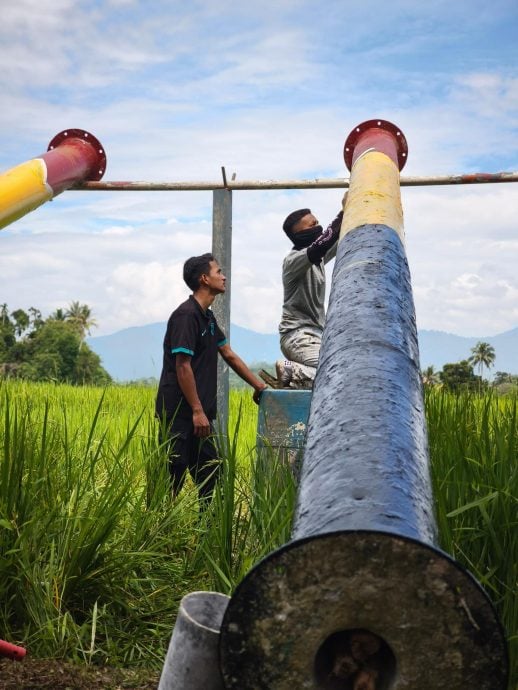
35	674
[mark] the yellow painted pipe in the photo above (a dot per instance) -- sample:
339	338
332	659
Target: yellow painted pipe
374	196
22	189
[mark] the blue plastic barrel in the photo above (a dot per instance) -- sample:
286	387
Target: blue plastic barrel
282	421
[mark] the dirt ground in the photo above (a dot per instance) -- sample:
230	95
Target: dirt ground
35	674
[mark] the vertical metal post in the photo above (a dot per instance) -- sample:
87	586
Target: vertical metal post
222	250
362	597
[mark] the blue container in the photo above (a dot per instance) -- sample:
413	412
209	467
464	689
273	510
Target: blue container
282	422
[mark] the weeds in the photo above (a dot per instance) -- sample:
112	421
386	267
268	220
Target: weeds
474	462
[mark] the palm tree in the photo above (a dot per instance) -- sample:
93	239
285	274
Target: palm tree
58	315
35	318
4	314
430	377
80	315
21	321
483	355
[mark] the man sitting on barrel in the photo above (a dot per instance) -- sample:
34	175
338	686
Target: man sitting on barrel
304	282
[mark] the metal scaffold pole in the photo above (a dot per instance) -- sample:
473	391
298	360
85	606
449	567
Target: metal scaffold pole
222	251
318	183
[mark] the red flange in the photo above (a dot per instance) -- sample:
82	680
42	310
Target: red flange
97	170
377	129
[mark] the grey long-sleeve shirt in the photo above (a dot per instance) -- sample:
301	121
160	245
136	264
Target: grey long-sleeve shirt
304	291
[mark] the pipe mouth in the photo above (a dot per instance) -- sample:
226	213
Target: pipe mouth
354	658
205	609
98	169
433	616
383	125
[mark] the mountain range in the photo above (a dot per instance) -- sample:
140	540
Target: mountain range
136	352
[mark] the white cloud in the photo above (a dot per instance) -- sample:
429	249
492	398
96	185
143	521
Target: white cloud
462	247
490	94
271	92
145	292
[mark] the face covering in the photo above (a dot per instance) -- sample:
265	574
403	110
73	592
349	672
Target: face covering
304	238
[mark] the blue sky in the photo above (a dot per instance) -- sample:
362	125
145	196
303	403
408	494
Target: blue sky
270	90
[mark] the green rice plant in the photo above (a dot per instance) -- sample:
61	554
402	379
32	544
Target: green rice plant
87	565
274	494
250	514
474	462
95	554
225	524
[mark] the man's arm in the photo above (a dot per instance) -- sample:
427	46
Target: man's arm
325	241
324	247
187	385
236	363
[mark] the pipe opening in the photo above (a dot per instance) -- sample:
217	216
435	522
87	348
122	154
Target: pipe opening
205	609
355	659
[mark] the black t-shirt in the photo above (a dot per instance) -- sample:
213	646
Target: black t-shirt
193	332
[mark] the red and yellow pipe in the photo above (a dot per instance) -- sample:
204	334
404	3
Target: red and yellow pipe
73	156
375	152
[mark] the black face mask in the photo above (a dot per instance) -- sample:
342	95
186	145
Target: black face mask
304	238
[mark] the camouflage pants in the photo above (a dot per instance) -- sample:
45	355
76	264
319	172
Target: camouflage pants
302	348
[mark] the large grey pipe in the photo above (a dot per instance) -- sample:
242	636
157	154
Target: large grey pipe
362	598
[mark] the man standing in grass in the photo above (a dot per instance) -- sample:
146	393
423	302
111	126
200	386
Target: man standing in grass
304	282
186	399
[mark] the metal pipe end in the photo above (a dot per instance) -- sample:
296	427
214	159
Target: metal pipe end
98	169
359	130
191	662
362	609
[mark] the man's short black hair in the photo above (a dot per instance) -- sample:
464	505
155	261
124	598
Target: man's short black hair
194	268
293	219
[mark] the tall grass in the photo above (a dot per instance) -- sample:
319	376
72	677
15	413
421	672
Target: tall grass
252	507
95	554
474	462
79	572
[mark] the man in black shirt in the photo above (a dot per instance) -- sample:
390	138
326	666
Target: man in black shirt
187	392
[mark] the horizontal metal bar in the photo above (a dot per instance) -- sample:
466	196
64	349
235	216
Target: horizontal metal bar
330	183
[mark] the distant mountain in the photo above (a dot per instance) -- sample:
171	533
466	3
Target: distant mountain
133	353
136	353
437	348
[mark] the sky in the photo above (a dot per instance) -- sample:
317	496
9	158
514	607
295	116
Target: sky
270	90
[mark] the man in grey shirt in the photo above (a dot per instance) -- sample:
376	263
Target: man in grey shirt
304	282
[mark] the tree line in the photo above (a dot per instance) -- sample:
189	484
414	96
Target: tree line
458	376
51	349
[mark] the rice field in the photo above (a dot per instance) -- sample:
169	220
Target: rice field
95	556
